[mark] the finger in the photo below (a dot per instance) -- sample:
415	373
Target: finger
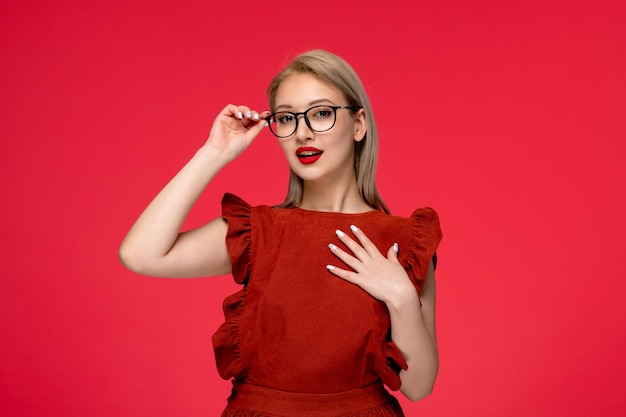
263	116
245	114
248	116
251	115
345	257
232	111
349	276
367	244
392	253
244	111
351	244
253	118
256	127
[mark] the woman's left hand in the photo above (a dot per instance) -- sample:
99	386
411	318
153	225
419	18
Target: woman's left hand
382	277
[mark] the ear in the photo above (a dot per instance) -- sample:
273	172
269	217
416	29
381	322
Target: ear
360	125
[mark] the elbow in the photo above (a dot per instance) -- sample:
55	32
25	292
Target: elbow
142	262
125	257
418	393
420	384
129	259
418	390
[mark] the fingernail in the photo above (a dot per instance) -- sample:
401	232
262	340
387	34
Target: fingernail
330	267
332	247
248	114
266	124
354	228
395	247
256	116
239	115
339	233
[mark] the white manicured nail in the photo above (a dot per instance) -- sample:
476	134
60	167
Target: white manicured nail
339	233
239	115
256	117
354	228
332	247
330	267
395	247
248	115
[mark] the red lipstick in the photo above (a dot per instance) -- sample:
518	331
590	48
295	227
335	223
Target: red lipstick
308	155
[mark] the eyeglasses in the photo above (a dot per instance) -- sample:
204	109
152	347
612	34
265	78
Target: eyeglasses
318	118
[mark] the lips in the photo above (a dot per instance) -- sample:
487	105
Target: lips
308	155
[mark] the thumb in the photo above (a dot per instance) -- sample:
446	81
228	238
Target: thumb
392	253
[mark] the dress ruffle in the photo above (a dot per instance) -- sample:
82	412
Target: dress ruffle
426	238
239	236
226	341
390	374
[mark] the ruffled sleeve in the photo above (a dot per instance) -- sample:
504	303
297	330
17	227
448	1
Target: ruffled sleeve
424	242
239	235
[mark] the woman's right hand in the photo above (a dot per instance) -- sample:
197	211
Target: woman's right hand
234	129
154	245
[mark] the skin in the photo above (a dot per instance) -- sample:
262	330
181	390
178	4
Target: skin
155	246
330	183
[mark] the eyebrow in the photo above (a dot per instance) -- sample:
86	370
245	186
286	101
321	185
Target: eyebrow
311	103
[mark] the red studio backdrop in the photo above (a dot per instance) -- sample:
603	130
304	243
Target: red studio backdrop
506	117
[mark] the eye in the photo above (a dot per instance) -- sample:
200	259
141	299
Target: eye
322	112
283	118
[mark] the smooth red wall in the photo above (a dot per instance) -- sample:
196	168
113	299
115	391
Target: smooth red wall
506	117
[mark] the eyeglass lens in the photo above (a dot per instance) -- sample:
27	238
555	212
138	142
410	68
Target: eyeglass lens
318	119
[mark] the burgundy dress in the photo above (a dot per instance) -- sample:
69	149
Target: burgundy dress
297	340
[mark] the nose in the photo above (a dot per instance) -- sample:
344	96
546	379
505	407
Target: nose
303	131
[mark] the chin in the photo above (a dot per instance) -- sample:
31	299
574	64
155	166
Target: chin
308	176
305	173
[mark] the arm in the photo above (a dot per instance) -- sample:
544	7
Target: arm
154	245
413	331
412	325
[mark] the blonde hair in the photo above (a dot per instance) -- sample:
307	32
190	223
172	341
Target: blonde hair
332	70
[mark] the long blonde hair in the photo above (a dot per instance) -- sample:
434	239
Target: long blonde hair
331	69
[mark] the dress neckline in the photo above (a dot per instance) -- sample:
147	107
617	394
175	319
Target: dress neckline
302	210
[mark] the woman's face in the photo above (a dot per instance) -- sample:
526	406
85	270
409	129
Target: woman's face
319	156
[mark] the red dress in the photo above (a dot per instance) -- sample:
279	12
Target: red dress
297	340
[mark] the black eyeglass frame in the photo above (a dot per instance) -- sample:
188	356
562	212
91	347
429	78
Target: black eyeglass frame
269	118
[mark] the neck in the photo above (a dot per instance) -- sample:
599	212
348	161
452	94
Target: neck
333	196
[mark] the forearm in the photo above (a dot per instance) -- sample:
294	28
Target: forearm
157	228
416	339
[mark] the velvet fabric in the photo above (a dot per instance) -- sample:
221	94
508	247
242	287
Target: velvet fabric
294	326
253	401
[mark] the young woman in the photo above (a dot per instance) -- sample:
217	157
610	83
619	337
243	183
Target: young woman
338	296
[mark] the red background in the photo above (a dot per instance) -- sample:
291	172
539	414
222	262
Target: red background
507	117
